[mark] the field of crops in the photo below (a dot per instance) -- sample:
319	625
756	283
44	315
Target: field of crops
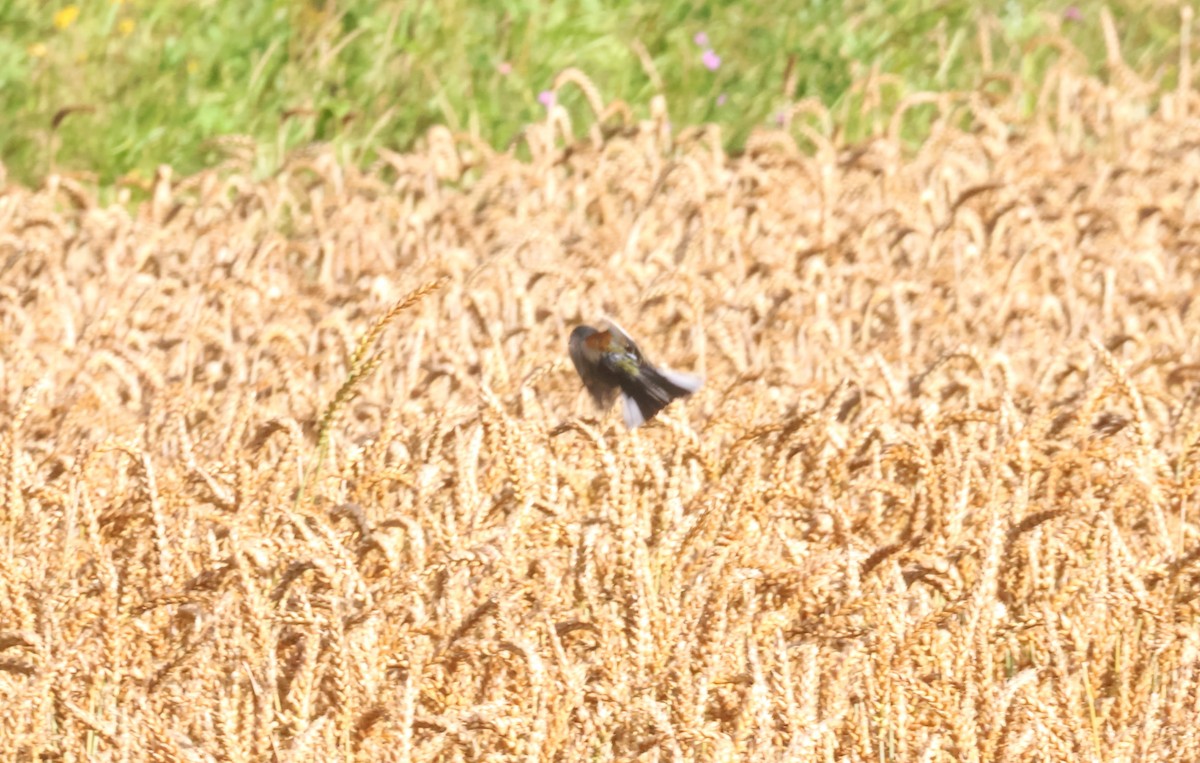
298	469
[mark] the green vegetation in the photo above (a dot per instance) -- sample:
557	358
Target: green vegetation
118	86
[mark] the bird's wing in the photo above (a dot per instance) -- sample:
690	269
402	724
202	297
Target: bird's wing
688	383
578	353
631	412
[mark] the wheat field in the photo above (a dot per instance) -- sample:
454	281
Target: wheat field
297	468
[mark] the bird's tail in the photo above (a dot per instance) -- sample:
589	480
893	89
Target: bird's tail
651	390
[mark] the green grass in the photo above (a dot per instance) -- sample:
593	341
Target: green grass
126	86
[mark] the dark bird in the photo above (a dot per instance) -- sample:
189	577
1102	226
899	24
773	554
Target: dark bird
609	361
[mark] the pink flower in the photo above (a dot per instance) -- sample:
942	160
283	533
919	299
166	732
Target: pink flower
701	39
546	98
504	67
1072	13
721	99
711	60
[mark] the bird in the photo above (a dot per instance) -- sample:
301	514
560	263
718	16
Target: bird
609	362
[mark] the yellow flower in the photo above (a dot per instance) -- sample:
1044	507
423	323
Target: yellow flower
66	17
37	50
126	27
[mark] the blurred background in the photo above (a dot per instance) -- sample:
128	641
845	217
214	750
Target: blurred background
108	90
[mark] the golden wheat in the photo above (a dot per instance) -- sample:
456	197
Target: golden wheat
937	500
